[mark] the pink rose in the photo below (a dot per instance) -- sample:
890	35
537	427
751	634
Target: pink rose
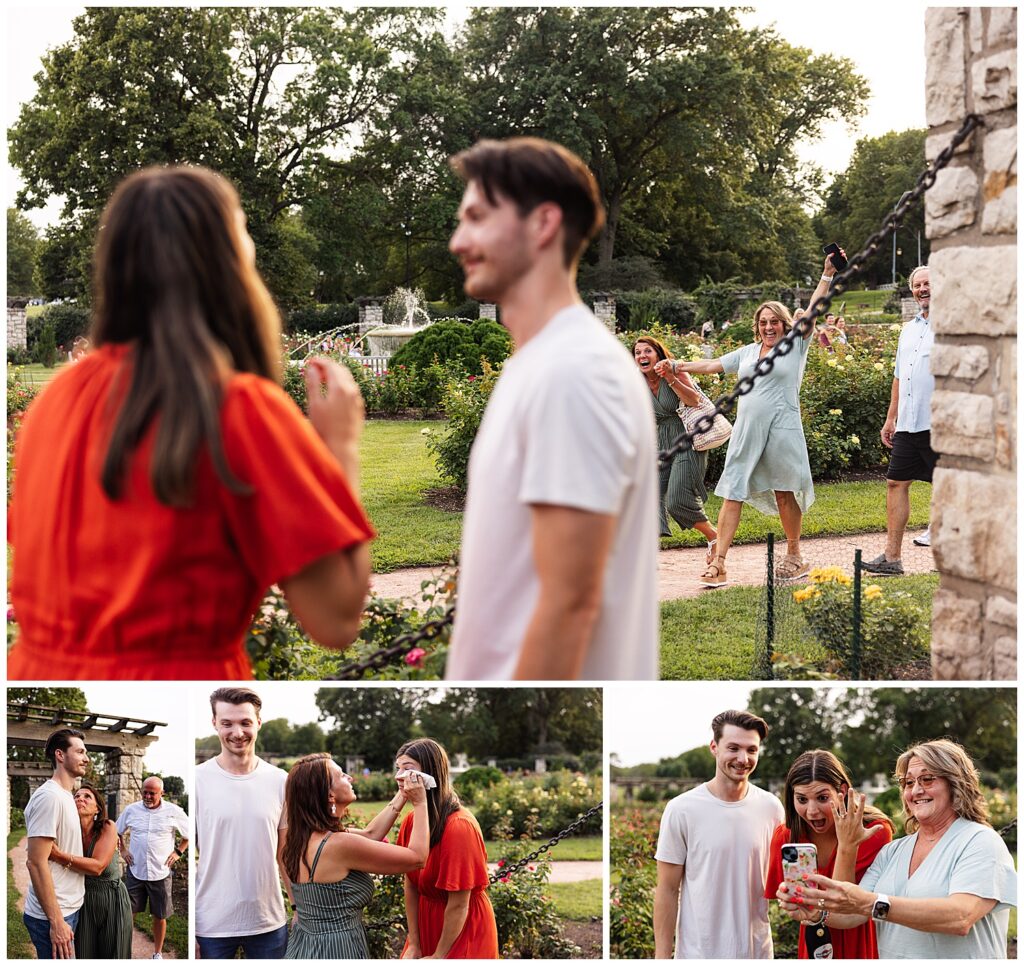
415	656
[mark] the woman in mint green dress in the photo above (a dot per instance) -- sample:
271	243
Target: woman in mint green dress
766	464
104	928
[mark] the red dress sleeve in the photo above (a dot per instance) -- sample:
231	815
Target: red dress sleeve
869	849
462	859
779	838
301	507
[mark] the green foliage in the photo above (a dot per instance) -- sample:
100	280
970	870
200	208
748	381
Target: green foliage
321	318
894	628
46	347
470	782
23	245
464	403
636	311
18	356
451	340
19	395
66	320
69	699
633	840
537	806
368	722
629	273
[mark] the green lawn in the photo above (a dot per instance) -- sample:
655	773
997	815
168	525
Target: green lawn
19	946
576	900
711	637
177	932
397	469
38	375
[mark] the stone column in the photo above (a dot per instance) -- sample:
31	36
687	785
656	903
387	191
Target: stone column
604	309
972	222
17	325
488	310
123	779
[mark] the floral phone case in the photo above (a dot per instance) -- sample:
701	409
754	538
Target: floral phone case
797	859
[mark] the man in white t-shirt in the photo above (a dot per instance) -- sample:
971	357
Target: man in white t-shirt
558	568
150	853
239	813
713	849
55	893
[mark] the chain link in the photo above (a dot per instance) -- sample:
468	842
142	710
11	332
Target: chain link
723	404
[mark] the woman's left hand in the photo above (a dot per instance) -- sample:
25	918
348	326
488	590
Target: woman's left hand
843	898
663	367
849	819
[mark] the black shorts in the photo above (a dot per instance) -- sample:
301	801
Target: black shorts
157	892
912	457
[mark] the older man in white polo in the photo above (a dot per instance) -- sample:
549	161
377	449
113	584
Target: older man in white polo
150	852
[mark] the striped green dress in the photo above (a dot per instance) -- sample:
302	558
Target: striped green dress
104	928
681	483
330	923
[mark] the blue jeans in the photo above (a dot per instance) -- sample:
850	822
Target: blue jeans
264	945
39	933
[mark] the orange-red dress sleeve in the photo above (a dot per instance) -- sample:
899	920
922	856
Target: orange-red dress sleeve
301	506
462	859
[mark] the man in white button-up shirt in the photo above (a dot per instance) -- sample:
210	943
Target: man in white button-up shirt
907	428
150	852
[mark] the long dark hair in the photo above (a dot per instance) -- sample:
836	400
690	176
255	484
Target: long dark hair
100	819
819	766
307	808
441	801
172	278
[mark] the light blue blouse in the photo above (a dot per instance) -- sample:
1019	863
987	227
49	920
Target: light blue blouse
969	858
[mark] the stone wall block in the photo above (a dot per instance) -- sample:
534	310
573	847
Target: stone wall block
976	28
1005	658
945	83
962	425
952	202
1002	26
999	215
964	305
1001	610
957	651
994	81
935	144
974	527
959	361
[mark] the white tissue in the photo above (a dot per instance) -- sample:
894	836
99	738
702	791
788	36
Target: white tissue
428	780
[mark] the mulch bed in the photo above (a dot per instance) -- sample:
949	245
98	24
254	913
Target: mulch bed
448	498
587	935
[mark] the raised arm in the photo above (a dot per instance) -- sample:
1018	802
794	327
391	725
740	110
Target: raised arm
382	858
666	908
381	824
679	382
698	366
102	853
827	272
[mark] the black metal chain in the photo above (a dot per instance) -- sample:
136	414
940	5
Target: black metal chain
1009	827
504	873
501	874
723	404
838	285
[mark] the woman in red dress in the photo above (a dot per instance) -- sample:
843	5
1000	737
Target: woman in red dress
446	905
823	809
165	481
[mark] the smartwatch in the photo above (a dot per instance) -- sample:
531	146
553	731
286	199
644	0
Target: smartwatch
880	910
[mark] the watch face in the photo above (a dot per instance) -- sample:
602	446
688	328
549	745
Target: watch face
881	909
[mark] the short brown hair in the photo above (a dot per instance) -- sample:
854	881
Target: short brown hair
531	171
60	741
742	719
235	696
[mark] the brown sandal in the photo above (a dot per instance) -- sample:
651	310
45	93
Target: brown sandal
791	568
715	575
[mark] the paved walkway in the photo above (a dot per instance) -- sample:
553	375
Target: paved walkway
142	945
568	871
679	570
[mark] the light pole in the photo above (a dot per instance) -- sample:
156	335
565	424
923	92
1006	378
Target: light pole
408	238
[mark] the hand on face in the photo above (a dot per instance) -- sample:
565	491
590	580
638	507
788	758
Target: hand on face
413	789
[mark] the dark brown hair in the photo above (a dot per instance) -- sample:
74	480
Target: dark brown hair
171	278
531	171
819	766
60	741
441	801
308	810
101	818
741	719
235	696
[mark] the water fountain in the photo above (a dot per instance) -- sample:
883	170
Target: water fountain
403	316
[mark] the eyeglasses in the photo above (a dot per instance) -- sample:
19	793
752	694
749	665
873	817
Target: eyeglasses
925	781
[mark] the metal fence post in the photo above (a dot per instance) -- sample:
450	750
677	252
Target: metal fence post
769	630
855	643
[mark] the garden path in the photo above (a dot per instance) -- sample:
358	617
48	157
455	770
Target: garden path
568	871
679	569
142	945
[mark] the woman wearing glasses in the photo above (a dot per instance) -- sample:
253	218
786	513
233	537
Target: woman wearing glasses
945	889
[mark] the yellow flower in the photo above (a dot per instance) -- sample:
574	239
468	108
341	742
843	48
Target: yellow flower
833	363
835	412
872	592
879	366
895	327
855	440
806	593
829	575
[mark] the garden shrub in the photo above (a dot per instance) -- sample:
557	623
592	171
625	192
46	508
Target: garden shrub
46	347
66	320
633	840
322	318
451	340
894	625
526	806
474	779
639	310
18	356
463	402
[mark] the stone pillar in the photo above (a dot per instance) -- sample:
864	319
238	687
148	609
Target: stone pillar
17	325
908	309
123	779
540	765
604	309
972	223
488	310
371	311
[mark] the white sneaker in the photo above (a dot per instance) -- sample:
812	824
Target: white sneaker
157	956
924	539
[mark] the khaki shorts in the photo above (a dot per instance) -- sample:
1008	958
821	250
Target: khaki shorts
157	891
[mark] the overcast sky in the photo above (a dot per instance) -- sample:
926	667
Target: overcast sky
885	41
